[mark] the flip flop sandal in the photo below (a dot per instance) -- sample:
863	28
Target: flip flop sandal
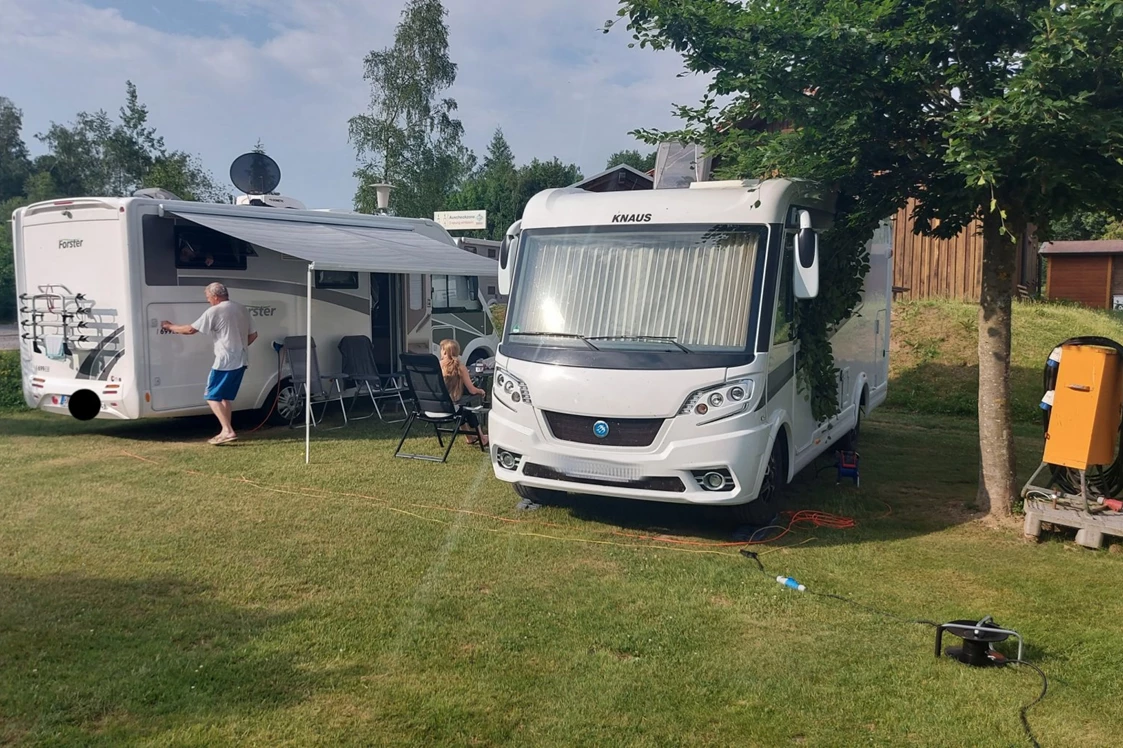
225	440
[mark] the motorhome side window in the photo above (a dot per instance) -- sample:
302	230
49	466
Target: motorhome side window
345	280
456	292
200	248
785	300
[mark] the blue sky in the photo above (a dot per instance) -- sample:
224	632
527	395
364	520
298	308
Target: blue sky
218	74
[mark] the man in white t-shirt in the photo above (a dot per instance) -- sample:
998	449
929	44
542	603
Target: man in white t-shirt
231	326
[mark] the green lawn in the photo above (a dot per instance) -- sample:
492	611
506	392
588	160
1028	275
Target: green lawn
156	590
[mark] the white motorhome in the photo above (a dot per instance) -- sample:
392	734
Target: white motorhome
649	349
96	276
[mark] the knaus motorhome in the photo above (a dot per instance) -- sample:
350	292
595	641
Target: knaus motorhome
649	349
96	276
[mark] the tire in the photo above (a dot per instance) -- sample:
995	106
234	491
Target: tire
770	500
537	495
287	399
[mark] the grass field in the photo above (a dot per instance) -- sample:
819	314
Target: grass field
159	591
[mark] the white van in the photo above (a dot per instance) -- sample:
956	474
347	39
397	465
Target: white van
96	276
649	350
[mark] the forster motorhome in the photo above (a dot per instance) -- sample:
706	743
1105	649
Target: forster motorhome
96	276
649	349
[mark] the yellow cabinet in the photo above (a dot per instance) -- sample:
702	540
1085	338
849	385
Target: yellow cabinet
1084	422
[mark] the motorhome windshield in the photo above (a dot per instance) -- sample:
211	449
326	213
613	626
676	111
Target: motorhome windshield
685	289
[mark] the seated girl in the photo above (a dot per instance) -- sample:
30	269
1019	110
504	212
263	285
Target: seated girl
459	383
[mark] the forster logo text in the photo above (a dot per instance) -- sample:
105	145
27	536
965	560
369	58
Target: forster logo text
69	243
631	218
261	311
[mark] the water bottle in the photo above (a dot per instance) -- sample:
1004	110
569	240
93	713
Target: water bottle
789	582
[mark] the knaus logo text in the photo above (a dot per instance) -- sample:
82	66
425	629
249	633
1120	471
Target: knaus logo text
69	243
631	218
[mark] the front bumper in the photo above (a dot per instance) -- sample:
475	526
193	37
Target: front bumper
668	471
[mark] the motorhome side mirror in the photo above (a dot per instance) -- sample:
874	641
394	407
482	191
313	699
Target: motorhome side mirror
508	248
806	275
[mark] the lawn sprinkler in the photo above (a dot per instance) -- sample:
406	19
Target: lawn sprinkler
979	638
848	466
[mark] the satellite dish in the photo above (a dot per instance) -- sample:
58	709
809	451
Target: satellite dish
255	174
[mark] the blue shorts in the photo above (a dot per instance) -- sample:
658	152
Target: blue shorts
223	385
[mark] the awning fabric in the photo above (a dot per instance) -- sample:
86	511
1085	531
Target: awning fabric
344	247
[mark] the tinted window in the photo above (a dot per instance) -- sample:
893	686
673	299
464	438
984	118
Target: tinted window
200	248
341	279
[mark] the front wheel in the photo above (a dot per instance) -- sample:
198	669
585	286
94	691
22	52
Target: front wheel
769	502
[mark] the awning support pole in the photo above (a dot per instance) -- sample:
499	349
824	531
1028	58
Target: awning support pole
308	370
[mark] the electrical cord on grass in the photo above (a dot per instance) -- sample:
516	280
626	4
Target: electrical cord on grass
1022	712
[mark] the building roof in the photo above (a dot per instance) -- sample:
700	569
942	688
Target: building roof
1102	247
620	177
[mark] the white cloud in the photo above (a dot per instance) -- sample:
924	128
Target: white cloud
542	70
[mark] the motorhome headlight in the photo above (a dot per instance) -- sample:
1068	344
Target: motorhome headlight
720	400
512	387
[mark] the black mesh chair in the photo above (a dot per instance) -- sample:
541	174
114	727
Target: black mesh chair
360	368
433	405
294	349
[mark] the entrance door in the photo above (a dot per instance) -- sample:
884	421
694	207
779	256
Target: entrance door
385	320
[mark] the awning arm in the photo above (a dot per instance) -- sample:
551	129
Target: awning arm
308	369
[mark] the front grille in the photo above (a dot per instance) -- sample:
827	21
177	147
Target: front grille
622	432
657	483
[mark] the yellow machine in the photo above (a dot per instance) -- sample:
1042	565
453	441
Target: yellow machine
1084	423
1082	469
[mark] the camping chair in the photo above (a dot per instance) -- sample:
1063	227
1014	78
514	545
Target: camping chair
294	350
360	369
433	405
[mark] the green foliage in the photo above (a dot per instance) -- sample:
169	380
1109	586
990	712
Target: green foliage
632	158
92	156
15	163
493	186
1009	111
11	381
1083	226
504	189
409	137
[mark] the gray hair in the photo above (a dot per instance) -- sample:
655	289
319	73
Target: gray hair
218	291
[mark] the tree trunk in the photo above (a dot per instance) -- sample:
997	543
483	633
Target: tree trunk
996	441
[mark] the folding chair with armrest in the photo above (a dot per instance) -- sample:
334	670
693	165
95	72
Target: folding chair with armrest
433	405
295	349
360	368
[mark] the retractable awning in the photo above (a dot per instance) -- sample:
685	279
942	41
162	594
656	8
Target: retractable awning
343	247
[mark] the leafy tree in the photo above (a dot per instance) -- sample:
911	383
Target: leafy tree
543	175
96	156
409	137
492	186
15	164
1010	111
632	158
1085	226
504	189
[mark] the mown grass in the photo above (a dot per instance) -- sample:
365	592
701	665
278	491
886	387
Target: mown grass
156	590
934	357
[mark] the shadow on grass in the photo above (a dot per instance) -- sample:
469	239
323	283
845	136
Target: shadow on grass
89	658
